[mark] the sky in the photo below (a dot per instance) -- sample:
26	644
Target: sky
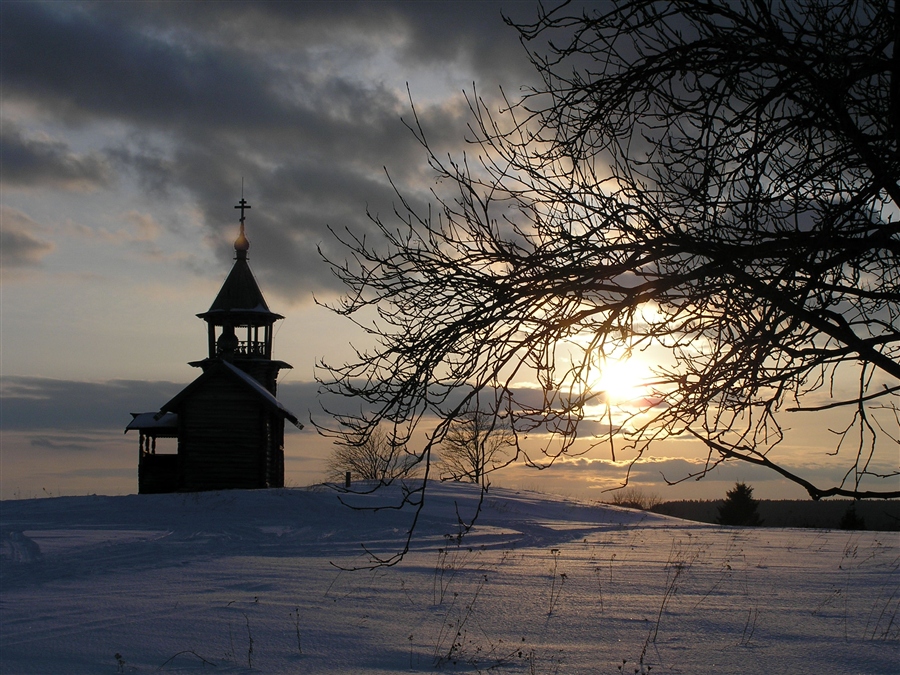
129	133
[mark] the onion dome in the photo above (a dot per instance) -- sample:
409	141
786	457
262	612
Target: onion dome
241	244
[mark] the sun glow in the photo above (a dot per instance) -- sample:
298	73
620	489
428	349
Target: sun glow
619	381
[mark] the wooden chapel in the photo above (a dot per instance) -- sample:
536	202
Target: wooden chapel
228	423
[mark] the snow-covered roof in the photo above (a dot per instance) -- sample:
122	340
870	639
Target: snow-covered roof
264	393
244	378
149	421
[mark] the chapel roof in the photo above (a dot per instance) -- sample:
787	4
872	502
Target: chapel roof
228	370
153	424
240	293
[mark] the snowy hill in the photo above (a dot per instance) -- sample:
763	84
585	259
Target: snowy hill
251	581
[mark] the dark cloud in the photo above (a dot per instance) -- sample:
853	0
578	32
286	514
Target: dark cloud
436	33
44	403
302	102
85	65
43	162
39	403
80	65
153	167
29	403
476	37
20	245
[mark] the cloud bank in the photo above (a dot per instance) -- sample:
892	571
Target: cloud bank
301	102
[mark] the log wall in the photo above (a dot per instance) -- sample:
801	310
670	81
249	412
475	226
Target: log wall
224	442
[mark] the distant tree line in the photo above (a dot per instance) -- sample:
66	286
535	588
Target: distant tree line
828	513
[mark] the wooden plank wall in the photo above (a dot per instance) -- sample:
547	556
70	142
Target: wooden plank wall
222	441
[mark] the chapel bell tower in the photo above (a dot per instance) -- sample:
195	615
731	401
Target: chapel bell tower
240	323
228	421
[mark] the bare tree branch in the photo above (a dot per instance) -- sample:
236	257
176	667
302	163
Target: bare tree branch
714	183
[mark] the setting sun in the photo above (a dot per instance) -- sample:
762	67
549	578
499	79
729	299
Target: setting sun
620	381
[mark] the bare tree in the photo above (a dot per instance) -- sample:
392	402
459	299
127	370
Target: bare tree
375	457
713	182
635	498
476	443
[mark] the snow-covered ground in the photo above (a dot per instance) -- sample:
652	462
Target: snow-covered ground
251	582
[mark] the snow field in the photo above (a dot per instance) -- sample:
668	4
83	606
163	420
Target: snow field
251	582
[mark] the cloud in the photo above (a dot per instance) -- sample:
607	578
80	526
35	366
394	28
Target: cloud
146	229
139	229
75	419
80	64
476	38
32	403
69	444
54	463
20	246
594	476
302	102
40	161
45	403
68	436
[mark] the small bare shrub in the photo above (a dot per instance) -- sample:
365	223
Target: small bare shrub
635	498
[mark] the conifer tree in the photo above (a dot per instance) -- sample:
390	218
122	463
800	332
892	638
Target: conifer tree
851	520
739	507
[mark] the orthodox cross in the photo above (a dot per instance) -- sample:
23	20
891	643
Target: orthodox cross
242	205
